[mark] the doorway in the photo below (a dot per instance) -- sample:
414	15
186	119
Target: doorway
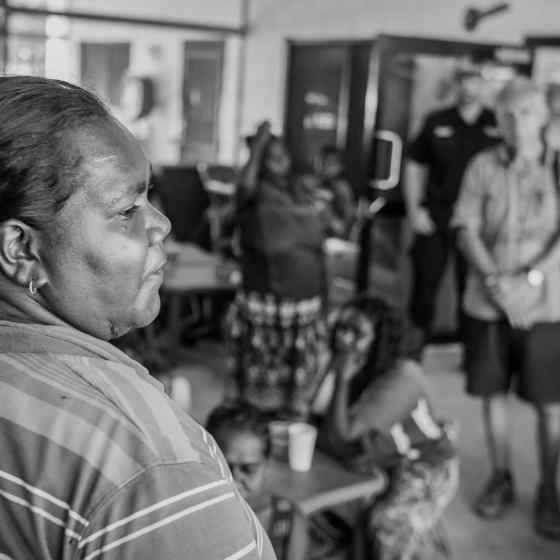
325	103
408	78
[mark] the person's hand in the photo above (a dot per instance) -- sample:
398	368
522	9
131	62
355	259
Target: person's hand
347	365
262	136
502	294
496	290
421	221
351	353
353	336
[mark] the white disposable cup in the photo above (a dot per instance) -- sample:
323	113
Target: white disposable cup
302	445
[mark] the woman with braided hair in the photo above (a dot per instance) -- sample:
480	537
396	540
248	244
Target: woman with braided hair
380	416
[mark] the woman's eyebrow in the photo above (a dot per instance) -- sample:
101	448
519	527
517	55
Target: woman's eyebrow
132	190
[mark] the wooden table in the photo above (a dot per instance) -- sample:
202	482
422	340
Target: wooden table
327	484
192	272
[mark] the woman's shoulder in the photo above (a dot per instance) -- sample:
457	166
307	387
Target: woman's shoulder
263	506
404	382
410	369
405	371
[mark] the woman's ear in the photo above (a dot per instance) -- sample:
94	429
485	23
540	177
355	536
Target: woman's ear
19	253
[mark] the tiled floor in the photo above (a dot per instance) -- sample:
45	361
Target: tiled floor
472	539
511	538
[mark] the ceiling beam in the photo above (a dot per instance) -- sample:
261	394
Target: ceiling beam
92	16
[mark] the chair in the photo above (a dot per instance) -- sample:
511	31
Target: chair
186	203
216	172
220	184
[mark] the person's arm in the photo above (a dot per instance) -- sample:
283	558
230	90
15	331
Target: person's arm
173	512
249	176
418	159
550	257
388	401
392	398
474	250
418	216
467	219
338	414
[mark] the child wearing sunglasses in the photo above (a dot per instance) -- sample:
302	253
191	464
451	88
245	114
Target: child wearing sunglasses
241	432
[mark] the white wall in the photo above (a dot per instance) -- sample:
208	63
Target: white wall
272	23
215	12
275	21
158	52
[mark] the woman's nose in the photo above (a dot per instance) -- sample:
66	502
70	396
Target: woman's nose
158	225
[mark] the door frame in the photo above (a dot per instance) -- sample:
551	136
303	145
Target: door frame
344	92
221	47
418	45
414	45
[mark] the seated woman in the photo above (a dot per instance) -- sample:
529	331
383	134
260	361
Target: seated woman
275	325
380	416
241	432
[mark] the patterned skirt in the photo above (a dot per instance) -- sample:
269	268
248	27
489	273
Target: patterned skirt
277	345
406	522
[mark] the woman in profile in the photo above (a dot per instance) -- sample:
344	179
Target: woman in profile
275	324
96	461
380	416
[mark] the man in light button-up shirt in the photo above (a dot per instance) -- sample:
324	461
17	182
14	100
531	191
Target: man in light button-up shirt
508	228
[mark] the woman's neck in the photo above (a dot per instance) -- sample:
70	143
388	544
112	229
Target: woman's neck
18	306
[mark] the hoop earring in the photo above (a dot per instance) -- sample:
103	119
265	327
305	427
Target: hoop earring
32	289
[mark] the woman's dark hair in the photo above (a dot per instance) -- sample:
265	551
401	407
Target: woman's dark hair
274	139
238	417
38	164
386	346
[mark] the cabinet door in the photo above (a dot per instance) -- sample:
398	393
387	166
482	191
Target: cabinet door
316	101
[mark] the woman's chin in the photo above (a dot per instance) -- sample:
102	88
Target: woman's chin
147	314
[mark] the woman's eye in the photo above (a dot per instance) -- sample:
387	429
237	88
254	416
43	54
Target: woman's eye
129	212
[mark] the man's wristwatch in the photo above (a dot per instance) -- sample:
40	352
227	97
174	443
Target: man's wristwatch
535	277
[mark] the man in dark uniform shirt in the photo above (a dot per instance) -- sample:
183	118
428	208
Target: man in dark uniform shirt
437	159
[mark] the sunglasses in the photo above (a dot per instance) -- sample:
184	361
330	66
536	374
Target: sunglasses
247	469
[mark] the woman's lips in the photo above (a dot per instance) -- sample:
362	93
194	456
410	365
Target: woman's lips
158	271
